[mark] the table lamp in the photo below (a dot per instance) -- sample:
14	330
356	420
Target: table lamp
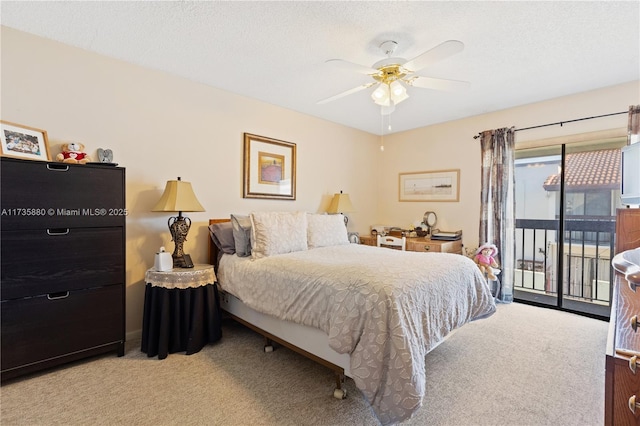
178	197
341	203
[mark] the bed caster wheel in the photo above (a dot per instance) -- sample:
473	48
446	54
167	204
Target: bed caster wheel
340	393
268	348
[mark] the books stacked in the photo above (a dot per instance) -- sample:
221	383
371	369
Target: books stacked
447	235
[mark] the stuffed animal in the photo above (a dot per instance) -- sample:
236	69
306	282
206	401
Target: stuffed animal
73	153
484	258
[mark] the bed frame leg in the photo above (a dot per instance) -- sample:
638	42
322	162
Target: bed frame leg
268	344
340	392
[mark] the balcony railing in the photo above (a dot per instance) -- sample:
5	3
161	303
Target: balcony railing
586	258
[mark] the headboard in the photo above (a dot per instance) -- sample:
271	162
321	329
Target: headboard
213	249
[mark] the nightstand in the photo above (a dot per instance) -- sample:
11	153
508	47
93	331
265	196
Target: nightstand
421	244
181	311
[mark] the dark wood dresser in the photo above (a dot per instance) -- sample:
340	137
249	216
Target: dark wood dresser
622	376
62	287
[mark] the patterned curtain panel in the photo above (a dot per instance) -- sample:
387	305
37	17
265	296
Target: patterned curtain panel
633	135
497	204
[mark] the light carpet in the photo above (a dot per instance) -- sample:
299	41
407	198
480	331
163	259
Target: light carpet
522	366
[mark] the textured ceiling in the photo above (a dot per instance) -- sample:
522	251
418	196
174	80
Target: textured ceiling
515	52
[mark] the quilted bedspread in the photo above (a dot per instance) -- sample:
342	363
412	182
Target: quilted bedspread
386	308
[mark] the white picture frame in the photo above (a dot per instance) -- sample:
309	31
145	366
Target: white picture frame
437	185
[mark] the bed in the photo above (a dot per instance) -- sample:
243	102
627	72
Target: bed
368	313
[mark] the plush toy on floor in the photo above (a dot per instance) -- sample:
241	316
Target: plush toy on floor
484	258
73	153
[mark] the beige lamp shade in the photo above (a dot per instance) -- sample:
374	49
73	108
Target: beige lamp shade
341	203
178	196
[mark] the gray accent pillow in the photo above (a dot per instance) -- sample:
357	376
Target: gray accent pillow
241	234
222	236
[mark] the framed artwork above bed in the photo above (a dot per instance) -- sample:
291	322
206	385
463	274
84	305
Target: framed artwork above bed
269	168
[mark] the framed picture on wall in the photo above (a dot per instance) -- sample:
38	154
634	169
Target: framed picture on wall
438	185
19	141
269	168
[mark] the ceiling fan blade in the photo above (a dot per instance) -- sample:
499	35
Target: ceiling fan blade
348	92
441	51
350	66
436	83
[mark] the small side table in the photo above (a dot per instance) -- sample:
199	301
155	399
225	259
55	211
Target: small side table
181	311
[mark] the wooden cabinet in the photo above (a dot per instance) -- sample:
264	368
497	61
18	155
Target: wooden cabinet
63	263
422	244
627	229
368	240
622	375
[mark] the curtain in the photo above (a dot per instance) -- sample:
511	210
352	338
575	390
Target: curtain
497	203
633	135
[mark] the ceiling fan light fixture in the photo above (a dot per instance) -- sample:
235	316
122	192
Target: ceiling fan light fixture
398	92
392	75
388	96
381	95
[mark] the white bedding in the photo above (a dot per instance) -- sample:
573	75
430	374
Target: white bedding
386	308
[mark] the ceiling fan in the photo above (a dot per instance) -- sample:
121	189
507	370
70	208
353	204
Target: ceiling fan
392	74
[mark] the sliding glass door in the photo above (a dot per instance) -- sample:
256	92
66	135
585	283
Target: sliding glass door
566	198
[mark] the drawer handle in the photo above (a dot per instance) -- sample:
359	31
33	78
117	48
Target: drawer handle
427	248
58	167
58	296
633	363
634	322
633	404
61	231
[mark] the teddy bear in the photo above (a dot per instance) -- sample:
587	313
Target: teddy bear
484	258
73	153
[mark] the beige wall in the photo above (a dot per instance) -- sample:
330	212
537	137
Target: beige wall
161	126
451	146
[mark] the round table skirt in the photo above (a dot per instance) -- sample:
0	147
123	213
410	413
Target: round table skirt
180	320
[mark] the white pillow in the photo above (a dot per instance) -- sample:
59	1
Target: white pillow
326	230
277	233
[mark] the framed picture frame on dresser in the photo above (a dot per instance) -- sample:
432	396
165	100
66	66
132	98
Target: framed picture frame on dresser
25	142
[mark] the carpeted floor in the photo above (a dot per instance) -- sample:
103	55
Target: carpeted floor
522	366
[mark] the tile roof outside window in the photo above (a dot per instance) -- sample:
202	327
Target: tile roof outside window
589	170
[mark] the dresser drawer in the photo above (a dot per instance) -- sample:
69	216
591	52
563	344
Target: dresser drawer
38	194
627	312
369	240
48	261
434	246
40	328
627	385
621	383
